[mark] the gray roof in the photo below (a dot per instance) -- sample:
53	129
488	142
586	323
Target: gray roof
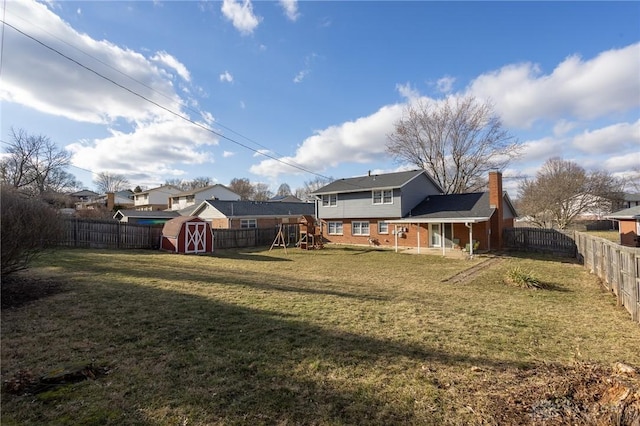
261	208
631	197
630	213
453	206
369	182
156	214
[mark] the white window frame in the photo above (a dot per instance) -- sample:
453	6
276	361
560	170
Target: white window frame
382	224
337	228
247	223
382	196
329	200
357	228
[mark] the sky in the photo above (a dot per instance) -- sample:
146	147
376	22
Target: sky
283	91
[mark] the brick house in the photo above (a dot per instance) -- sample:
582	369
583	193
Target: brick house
408	209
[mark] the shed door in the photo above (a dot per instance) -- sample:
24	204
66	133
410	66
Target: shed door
195	237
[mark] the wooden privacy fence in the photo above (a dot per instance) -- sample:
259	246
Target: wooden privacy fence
617	266
112	234
252	237
541	240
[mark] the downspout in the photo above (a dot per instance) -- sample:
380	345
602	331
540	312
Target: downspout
418	225
444	239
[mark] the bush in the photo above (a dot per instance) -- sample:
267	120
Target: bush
517	276
28	227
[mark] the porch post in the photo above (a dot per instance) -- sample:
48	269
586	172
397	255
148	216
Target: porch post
471	239
395	234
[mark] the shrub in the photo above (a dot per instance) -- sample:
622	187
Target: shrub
28	226
517	276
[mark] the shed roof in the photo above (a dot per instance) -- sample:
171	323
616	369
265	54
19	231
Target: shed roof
370	182
172	227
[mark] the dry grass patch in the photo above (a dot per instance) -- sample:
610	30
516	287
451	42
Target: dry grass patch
336	336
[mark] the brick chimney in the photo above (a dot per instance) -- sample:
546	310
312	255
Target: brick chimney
111	201
495	202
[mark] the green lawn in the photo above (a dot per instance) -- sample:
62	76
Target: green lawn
335	336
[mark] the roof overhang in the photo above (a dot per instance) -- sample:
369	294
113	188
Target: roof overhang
439	220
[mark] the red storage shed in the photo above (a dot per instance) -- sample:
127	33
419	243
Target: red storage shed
187	234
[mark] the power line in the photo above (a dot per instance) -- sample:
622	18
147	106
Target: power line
170	111
182	103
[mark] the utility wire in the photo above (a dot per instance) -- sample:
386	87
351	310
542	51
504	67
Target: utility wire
170	111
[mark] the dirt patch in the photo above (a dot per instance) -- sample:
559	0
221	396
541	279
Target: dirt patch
470	273
24	382
18	290
583	394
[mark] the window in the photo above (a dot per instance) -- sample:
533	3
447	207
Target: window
248	223
383	227
384	196
335	228
360	228
330	200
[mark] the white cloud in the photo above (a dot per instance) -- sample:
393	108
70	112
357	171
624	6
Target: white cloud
261	152
152	150
623	163
359	141
227	154
562	127
171	62
300	76
241	15
611	139
156	142
407	92
445	84
30	70
584	89
290	8
226	76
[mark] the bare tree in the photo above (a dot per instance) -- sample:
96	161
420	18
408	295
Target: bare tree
562	190
35	165
28	227
284	190
456	140
242	187
188	185
261	192
110	182
312	185
200	182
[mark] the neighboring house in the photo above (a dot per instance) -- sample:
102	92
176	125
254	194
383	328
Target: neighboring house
140	217
629	225
196	196
408	209
631	200
154	199
112	200
250	214
81	198
285	199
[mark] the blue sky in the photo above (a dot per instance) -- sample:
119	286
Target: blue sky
318	84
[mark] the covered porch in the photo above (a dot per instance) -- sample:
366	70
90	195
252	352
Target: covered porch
444	235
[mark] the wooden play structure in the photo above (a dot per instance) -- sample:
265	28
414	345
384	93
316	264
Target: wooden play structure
310	235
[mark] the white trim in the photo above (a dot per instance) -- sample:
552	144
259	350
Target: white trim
440	220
